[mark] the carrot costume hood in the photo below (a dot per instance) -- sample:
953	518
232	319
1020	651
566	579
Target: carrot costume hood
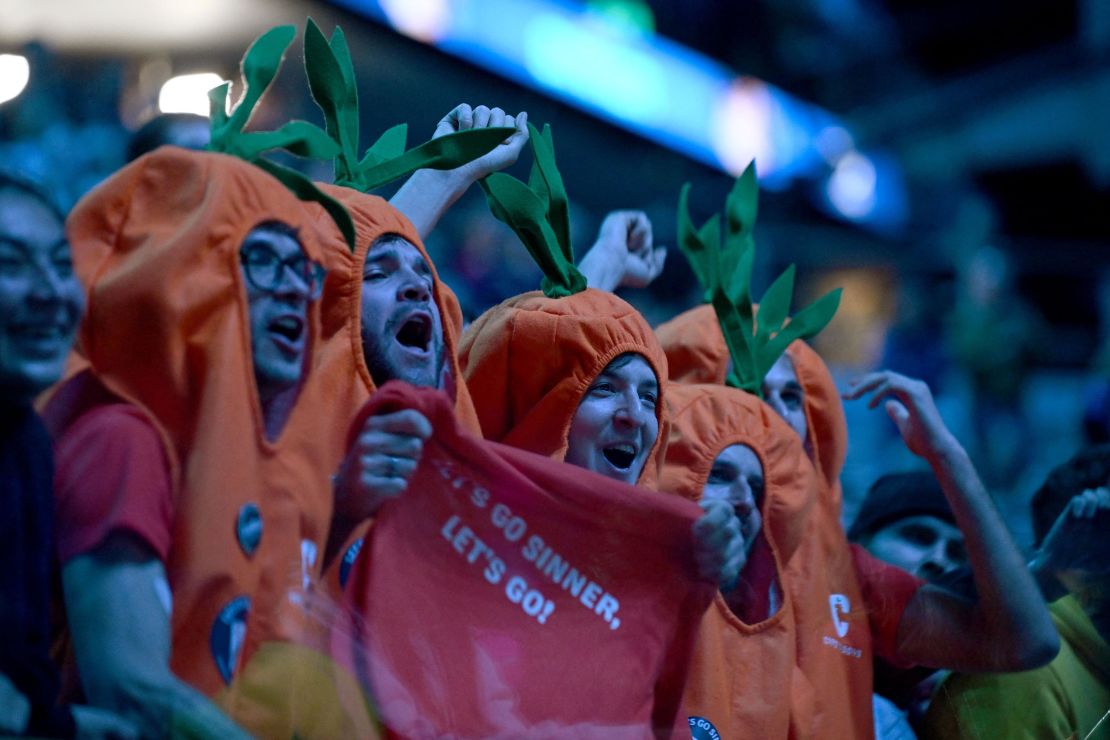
697	353
529	361
722	689
344	381
724	343
167	330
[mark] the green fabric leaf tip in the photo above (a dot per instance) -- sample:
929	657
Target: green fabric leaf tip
724	269
331	81
259	67
539	214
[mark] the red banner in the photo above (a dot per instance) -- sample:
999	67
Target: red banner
506	594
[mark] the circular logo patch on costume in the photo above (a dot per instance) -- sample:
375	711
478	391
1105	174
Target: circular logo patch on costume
228	632
248	528
702	729
349	559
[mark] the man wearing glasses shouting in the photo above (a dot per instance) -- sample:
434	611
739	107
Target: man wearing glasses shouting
193	508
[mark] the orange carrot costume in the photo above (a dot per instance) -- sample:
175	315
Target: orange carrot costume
834	622
529	361
839	666
167	331
742	676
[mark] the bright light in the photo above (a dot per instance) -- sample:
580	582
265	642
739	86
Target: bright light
425	20
15	71
585	60
833	142
851	187
188	93
741	128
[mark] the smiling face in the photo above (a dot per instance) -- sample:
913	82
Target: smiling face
615	426
278	295
402	333
40	298
783	393
737	479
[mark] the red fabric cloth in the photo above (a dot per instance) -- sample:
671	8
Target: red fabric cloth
472	627
112	476
887	591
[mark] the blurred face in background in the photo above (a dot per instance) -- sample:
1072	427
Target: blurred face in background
927	546
783	393
40	299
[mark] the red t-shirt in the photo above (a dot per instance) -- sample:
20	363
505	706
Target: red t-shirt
886	590
111	477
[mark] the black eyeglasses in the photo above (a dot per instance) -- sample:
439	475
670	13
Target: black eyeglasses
265	269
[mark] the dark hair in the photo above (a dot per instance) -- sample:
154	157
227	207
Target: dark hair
12	181
898	496
279	227
1089	468
159	131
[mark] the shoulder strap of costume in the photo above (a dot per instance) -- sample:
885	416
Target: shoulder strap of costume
539	214
725	272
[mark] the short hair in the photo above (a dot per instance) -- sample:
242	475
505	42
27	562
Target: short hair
12	181
279	227
159	131
897	496
1089	468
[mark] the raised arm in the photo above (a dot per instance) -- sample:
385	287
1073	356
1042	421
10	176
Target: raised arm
427	194
623	255
1008	627
117	603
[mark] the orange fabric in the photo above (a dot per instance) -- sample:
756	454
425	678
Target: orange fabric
696	349
838	667
529	361
742	676
341	381
167	331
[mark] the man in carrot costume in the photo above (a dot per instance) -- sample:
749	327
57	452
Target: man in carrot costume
193	508
725	443
846	603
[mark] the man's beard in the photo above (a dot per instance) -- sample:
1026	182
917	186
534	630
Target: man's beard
382	371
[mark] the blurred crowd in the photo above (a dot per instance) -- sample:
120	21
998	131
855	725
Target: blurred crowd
988	492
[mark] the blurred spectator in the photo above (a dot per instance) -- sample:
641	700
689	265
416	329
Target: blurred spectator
185	130
994	335
40	305
1070	697
906	521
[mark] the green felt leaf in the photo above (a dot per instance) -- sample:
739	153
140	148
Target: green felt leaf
325	79
260	67
348	115
306	190
300	138
389	145
739	277
774	307
217	107
558	211
725	272
742	203
520	208
444	153
805	324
